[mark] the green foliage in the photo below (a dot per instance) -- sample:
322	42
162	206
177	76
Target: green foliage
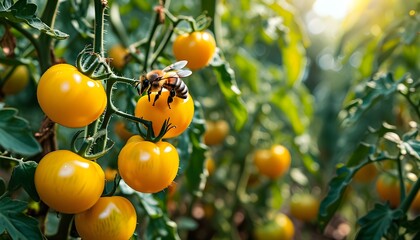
15	134
15	222
22	11
23	176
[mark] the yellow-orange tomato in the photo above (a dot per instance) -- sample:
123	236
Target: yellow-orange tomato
117	53
110	174
67	182
70	98
388	188
274	162
197	48
366	174
304	206
210	165
16	81
148	167
180	114
121	131
111	218
279	228
216	132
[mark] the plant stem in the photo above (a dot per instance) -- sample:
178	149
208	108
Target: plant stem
405	205
150	43
44	52
98	45
63	227
401	177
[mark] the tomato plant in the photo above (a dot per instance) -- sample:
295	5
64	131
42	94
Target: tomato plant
179	115
67	182
148	167
273	162
70	98
280	227
110	218
17	80
197	48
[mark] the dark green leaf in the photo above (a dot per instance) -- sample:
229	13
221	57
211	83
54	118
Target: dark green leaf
15	134
226	79
377	222
195	175
17	224
2	186
150	205
22	11
23	176
375	90
412	226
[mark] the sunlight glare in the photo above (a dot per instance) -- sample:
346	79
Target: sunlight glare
332	8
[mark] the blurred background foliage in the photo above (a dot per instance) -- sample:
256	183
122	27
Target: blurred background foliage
296	63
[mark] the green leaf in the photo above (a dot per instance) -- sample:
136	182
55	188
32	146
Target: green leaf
23	176
377	222
15	222
247	67
288	102
226	79
375	90
22	11
2	186
195	175
293	49
15	134
159	225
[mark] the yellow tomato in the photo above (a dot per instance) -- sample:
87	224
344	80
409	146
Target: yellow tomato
279	228
304	206
118	54
111	218
274	162
216	132
17	81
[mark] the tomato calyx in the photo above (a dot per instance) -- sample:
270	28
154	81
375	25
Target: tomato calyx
150	134
93	65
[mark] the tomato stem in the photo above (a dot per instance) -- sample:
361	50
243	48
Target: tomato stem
44	41
405	204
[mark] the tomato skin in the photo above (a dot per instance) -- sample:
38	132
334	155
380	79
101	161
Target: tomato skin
118	55
210	165
70	98
197	48
17	81
279	228
67	182
148	167
180	114
366	174
304	206
216	132
388	189
111	218
273	162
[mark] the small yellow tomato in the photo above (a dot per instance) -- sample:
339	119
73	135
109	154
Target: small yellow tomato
118	55
279	228
216	132
273	162
304	206
111	218
17	81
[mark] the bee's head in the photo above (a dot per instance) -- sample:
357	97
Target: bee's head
143	85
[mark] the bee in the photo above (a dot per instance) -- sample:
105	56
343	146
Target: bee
168	78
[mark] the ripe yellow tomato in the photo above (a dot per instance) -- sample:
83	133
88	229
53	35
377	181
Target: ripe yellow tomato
148	167
17	81
70	98
121	131
366	174
388	189
111	218
279	228
216	132
210	165
273	162
117	53
67	182
110	174
197	48
180	114
304	206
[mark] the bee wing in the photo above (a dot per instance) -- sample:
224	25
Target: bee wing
184	73
176	66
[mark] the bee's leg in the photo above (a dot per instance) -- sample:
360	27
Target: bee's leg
171	96
157	96
148	94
